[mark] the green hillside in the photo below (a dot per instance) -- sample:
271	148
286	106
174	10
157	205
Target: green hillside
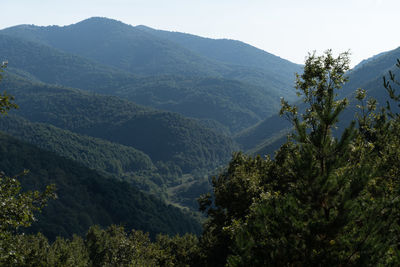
232	103
261	132
163	136
39	62
144	51
277	71
109	158
85	197
120	45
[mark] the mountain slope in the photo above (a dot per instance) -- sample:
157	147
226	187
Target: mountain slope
234	104
85	197
108	158
235	53
144	51
163	136
120	45
231	103
38	62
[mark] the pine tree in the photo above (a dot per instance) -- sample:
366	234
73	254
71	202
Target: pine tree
317	204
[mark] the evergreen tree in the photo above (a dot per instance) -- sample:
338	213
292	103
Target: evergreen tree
323	199
327	214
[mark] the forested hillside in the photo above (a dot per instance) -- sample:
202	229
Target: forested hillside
85	197
142	50
123	162
163	136
120	45
159	152
277	71
235	104
155	69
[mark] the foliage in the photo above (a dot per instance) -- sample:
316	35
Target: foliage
323	200
234	191
234	104
112	246
77	208
6	101
17	209
92	152
179	250
330	196
177	146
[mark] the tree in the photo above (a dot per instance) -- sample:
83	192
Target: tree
6	101
17	209
178	250
234	191
320	201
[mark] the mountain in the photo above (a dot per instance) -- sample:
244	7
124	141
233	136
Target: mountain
85	197
146	51
164	136
245	82
175	152
226	90
38	62
233	52
111	159
114	43
234	104
175	145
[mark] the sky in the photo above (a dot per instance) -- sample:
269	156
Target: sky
286	28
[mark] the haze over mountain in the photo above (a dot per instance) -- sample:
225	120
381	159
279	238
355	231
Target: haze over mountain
198	84
147	51
236	53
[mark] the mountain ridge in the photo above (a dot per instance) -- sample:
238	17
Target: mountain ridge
233	103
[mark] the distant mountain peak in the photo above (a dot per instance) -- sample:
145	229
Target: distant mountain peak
143	27
100	20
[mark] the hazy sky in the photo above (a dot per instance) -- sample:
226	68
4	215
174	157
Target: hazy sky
287	28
